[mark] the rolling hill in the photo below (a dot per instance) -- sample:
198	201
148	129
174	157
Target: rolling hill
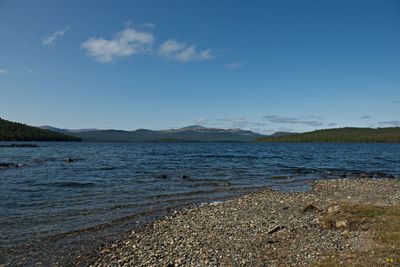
341	135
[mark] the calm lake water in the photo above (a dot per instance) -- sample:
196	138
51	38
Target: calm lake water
113	187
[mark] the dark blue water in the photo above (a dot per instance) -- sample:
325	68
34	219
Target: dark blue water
117	185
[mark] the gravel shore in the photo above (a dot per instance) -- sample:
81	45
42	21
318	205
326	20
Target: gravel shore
266	228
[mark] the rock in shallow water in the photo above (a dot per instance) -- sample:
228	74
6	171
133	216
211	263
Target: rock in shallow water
6	165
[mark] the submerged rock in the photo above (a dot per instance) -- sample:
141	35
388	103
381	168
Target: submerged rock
6	165
71	160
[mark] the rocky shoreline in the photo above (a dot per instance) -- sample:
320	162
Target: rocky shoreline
338	222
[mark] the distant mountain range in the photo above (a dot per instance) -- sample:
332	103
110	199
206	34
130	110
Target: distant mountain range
13	131
59	130
194	133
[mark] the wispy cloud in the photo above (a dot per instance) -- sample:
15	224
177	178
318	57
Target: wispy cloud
234	65
268	124
126	43
239	122
294	120
331	124
262	124
147	25
315	117
201	121
52	38
285	129
366	117
233	122
396	102
3	71
182	52
130	24
394	123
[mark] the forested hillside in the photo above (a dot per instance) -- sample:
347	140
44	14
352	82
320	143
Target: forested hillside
342	135
13	131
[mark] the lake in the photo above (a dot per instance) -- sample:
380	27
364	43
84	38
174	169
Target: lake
108	188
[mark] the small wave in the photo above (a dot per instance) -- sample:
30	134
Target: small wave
207	192
216	184
231	156
214	203
287	181
73	184
278	177
208	181
108	168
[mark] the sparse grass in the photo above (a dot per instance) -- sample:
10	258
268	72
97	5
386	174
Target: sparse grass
383	231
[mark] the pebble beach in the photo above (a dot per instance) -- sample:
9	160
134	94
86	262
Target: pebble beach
265	228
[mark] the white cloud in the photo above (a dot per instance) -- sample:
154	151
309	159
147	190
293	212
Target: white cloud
234	65
171	47
52	38
124	44
182	52
232	122
201	121
285	129
3	71
394	123
291	120
148	25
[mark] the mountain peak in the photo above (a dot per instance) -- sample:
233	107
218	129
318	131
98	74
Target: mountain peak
193	127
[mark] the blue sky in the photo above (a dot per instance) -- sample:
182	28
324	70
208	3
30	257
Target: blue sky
260	65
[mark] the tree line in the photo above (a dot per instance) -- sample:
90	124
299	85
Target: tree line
341	135
14	131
